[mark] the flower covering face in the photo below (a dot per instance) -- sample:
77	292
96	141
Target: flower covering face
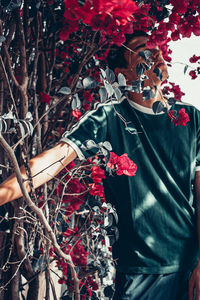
133	58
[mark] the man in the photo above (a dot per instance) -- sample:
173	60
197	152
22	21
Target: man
158	237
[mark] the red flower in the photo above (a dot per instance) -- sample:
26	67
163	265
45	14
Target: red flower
44	98
108	17
175	88
121	10
181	119
196	25
194	59
174	18
123	164
76	114
180	6
88	96
126	166
96	189
193	74
86	106
97	174
112	161
175	35
79	255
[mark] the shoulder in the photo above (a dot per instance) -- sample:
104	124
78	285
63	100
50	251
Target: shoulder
192	111
109	104
108	107
187	106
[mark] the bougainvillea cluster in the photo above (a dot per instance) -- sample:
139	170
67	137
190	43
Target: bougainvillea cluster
180	118
173	88
195	72
110	18
122	164
183	21
83	217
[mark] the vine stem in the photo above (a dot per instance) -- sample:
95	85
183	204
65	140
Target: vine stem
40	215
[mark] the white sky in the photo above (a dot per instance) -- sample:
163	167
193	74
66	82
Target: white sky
182	51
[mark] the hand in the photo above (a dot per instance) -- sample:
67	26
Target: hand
194	283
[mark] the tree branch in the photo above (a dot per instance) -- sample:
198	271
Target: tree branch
40	215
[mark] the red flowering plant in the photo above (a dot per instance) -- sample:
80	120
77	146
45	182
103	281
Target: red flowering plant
179	119
84	219
53	70
195	71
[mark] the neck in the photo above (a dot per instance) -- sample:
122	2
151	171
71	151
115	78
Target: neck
136	97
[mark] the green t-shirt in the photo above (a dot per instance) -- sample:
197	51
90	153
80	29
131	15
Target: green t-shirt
157	222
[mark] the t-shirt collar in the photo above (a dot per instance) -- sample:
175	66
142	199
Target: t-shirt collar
143	109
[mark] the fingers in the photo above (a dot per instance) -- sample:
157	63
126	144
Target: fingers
194	288
191	288
197	288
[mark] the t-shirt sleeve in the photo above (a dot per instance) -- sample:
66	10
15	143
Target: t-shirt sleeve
198	144
92	126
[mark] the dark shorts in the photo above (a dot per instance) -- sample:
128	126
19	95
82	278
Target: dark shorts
172	286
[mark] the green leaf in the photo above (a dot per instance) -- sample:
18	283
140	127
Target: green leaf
140	69
171	101
76	103
104	151
121	79
90	144
79	85
157	107
145	55
158	73
118	94
103	94
29	116
9	115
148	93
103	73
185	68
89	83
65	90
136	86
109	88
107	145
110	75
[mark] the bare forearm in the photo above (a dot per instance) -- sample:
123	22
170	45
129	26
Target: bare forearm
43	168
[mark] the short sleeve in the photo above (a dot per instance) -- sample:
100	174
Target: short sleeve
92	126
